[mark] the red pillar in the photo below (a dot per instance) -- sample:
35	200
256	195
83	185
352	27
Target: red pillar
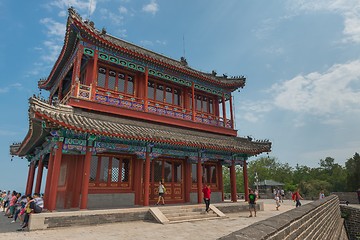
30	181
39	175
193	101
85	179
233	182
55	177
246	184
187	181
221	183
146	89
199	179
224	109
231	112
48	179
94	75
147	178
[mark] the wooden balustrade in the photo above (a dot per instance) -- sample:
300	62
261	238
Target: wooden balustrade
122	100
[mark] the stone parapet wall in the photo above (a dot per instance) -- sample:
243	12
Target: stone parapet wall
317	220
351	214
351	197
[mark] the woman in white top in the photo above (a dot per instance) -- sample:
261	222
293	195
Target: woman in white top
162	191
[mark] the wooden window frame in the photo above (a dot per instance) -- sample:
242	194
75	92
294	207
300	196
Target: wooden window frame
117	72
165	85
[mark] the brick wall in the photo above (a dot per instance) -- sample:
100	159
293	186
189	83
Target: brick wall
320	219
351	214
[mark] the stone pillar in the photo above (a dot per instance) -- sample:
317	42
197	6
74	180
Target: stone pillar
85	179
39	175
55	176
246	184
233	181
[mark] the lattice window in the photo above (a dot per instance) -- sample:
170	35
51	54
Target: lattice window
130	85
159	93
125	170
213	174
101	77
157	171
168	171
104	169
112	80
115	165
93	168
121	82
177	172
194	173
151	89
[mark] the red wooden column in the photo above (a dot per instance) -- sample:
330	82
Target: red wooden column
233	182
48	179
94	75
188	180
224	109
231	112
55	177
221	183
193	101
199	179
85	179
246	184
39	175
147	177
30	181
146	89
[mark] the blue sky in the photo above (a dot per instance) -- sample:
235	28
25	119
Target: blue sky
301	59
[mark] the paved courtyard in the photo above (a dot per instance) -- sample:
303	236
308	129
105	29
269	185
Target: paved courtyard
206	229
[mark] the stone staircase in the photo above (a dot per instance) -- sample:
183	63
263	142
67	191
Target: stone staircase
184	213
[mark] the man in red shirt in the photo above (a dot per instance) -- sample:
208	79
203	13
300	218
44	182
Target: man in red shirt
207	192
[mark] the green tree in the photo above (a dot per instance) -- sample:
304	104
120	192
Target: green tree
353	172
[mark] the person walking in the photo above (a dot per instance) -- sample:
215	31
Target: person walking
207	192
296	197
252	203
321	195
277	200
162	191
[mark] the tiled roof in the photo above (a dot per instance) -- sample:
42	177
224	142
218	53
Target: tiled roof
84	121
231	82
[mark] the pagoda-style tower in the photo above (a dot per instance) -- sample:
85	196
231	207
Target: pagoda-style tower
120	118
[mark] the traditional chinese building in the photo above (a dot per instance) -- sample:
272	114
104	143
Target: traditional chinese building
120	118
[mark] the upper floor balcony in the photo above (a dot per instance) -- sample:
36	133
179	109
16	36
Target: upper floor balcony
81	95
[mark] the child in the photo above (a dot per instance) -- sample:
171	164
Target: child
277	199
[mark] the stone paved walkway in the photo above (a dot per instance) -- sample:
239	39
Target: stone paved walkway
207	229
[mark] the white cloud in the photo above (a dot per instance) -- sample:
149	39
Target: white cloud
114	18
87	6
152	7
54	28
253	111
349	9
325	93
146	43
4	90
53	50
123	10
17	86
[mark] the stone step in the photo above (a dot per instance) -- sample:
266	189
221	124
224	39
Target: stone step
182	210
192	218
186	213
